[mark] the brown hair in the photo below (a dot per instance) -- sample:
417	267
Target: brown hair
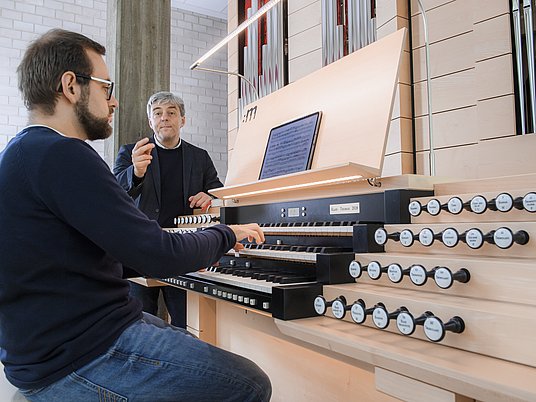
45	61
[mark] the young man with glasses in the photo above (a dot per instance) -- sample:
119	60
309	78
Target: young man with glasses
167	177
69	330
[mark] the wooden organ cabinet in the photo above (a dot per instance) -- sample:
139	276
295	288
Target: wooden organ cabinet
434	304
449	308
440	307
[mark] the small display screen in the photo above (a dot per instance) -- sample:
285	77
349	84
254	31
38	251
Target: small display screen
290	147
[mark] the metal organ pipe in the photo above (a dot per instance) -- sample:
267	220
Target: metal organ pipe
529	38
516	18
346	27
263	55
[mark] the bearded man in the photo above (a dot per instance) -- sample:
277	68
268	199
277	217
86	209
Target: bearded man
68	329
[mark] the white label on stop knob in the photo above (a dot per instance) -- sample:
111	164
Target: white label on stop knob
380	318
405	323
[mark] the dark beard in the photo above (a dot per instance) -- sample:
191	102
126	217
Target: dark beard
96	128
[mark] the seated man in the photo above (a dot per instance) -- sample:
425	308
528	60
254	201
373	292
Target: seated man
69	331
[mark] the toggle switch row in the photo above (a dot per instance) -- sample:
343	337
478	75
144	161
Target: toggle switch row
443	276
181	230
200	219
504	202
434	328
502	237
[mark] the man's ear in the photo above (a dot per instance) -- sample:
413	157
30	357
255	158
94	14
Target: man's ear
69	86
183	121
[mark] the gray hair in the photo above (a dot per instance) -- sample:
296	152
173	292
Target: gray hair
165	97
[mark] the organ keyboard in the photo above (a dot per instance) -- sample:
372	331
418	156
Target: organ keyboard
308	243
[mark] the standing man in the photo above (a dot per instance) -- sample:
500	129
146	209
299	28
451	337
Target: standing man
167	177
68	329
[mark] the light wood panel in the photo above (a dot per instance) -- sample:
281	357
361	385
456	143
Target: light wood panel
496	117
450	128
504	183
388	9
408	389
148	282
492	9
399	138
445	21
427	4
298	371
449	92
492	37
397	23
398	163
402	102
304	18
472	85
201	317
305	42
465	373
301	66
446	57
493	71
511	155
296	5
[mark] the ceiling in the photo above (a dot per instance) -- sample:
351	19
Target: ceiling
213	8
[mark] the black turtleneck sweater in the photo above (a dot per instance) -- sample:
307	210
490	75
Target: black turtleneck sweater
171	179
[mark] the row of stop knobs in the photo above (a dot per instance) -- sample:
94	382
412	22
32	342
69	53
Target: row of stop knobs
434	328
418	274
502	237
504	202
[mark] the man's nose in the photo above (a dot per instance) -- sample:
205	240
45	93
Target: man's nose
113	102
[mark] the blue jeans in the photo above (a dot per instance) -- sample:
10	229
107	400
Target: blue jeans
153	361
175	299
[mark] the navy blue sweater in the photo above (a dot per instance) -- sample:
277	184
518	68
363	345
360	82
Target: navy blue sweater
65	228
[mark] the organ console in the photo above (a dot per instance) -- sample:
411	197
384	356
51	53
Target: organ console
430	290
459	282
308	243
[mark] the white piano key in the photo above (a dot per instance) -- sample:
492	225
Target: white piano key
310	230
280	254
258	285
245	283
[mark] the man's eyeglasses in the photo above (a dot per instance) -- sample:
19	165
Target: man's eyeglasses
109	89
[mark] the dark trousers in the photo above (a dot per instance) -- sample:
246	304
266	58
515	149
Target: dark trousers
174	298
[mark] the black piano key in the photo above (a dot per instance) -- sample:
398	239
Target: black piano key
296	279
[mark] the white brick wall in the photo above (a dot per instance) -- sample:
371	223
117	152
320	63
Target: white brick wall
21	21
205	94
